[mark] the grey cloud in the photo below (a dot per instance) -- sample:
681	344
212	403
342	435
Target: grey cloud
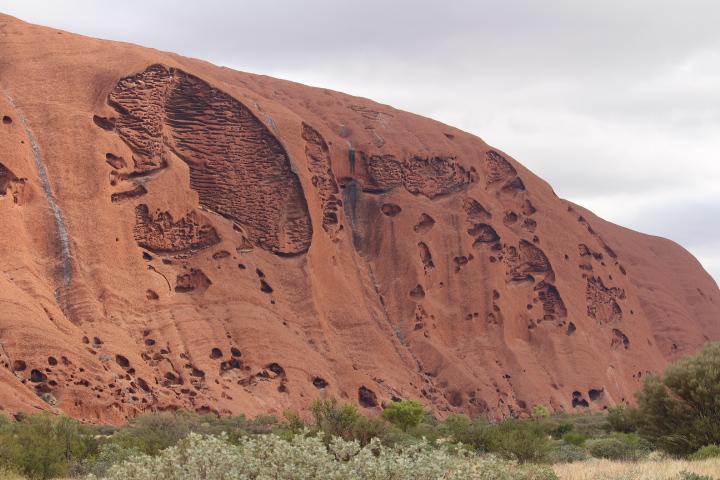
604	100
687	222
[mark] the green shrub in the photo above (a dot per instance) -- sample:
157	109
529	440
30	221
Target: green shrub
334	418
406	414
540	411
344	421
679	411
685	475
621	446
44	445
8	450
6	474
574	439
153	432
265	420
521	440
708	451
517	440
623	420
294	424
560	431
459	428
567	453
427	430
365	429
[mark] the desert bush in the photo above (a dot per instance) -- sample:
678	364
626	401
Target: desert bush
366	429
623	419
560	431
334	418
567	453
152	432
621	446
708	451
312	457
679	410
7	474
427	430
684	475
574	439
43	445
519	440
459	427
344	421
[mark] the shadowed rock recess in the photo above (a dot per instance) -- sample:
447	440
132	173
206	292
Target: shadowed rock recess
181	235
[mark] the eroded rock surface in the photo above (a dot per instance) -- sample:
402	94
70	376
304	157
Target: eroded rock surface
238	168
225	242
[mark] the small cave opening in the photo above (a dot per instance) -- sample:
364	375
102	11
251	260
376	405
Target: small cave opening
143	384
417	293
122	361
594	394
319	382
367	398
276	369
107	124
264	287
570	329
390	209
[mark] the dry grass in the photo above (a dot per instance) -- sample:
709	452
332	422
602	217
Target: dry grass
6	475
648	469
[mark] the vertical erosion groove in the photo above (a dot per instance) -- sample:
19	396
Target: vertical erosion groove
237	166
62	228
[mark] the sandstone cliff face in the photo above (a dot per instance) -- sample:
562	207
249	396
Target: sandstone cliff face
179	235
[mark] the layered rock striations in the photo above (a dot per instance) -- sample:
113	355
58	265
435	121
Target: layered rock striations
180	235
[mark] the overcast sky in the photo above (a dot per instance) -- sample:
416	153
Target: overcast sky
615	103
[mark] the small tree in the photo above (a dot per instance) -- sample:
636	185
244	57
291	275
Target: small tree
294	423
680	411
540	411
406	414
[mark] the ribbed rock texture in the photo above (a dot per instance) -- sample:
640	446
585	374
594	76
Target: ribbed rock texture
180	235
